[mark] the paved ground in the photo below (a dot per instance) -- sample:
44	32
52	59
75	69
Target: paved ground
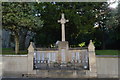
57	79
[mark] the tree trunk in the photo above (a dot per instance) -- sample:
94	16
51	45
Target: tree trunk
22	39
22	42
103	41
103	47
16	43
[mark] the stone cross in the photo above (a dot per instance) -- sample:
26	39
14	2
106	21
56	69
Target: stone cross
63	21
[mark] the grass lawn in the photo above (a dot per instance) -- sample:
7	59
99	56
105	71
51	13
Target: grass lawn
107	52
10	51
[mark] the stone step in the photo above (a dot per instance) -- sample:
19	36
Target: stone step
59	79
57	74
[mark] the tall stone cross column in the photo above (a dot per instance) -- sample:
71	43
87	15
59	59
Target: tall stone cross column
63	21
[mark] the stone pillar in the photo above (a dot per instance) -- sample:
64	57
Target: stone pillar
92	60
63	46
63	32
31	50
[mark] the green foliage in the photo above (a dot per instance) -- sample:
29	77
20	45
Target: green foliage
82	44
107	34
17	16
81	18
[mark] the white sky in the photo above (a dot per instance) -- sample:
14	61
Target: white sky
113	3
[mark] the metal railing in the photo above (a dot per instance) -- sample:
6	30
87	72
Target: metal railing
44	65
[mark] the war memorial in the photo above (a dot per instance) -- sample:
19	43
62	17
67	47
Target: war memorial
60	62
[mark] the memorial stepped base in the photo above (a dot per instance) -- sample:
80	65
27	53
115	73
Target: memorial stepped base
58	74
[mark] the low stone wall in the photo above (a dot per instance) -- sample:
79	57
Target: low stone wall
107	66
14	65
0	68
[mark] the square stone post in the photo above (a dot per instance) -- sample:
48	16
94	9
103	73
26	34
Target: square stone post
92	60
31	50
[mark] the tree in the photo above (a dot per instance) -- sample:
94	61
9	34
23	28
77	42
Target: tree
17	17
108	20
81	18
50	32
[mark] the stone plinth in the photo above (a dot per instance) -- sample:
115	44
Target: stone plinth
63	45
63	53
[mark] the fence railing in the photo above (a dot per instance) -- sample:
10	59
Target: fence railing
43	65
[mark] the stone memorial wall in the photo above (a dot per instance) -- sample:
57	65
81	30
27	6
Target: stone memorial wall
22	66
